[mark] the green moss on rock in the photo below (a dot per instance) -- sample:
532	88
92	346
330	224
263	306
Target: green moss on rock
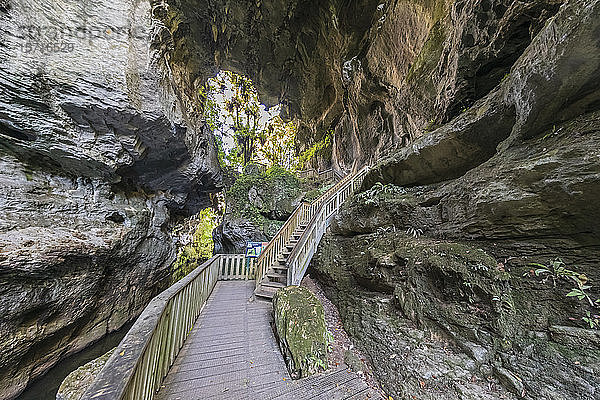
301	330
267	195
78	381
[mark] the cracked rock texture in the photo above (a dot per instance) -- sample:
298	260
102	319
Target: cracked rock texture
97	153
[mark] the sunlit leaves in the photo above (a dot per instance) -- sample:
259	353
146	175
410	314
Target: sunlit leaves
199	243
245	131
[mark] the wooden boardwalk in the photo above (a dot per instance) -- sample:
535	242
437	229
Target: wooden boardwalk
232	354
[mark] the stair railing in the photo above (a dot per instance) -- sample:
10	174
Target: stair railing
304	214
322	175
327	207
275	247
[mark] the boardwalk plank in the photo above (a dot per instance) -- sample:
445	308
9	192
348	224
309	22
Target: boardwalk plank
231	353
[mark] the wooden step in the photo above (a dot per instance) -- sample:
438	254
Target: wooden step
276	275
276	285
265	293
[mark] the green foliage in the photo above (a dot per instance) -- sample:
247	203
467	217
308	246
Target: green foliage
592	320
329	339
276	180
414	232
379	191
200	248
277	143
244	129
431	125
557	270
323	148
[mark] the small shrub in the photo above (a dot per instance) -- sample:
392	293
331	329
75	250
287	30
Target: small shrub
557	270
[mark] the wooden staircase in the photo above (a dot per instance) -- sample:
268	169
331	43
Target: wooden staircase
285	259
277	274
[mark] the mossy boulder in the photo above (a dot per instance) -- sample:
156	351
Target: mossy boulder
258	204
78	381
301	330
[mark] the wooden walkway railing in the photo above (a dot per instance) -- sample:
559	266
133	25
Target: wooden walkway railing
322	175
138	366
314	218
322	212
140	363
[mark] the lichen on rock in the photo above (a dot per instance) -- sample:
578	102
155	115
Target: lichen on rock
301	330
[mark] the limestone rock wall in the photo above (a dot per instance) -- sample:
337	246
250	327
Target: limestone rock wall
431	265
97	152
379	74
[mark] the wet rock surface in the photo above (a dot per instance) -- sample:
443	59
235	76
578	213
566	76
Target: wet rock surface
441	319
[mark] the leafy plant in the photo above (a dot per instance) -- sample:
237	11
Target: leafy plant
322	148
592	320
370	197
558	270
329	340
197	246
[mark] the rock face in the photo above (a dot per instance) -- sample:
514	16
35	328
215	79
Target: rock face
488	111
258	204
97	151
431	264
377	73
301	330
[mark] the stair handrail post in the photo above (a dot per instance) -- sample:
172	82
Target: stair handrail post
296	267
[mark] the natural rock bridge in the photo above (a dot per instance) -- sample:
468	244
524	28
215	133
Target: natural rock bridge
208	337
